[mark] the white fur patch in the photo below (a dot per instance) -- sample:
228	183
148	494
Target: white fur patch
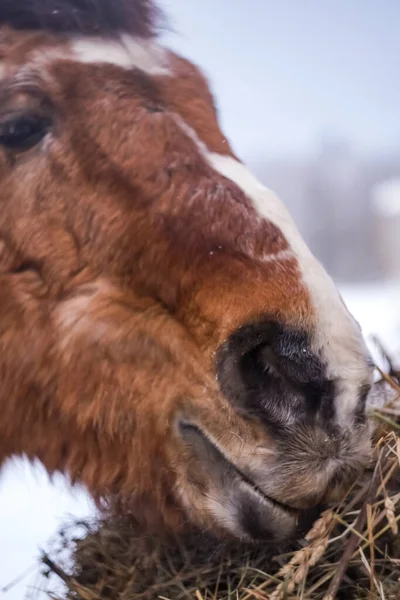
128	52
337	336
74	316
280	256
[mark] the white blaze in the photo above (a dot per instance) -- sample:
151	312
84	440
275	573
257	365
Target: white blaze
337	336
127	52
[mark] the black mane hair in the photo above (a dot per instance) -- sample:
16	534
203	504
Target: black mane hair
85	17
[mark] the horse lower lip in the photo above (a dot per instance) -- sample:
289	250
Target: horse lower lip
290	510
189	429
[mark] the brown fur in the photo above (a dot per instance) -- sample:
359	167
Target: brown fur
125	262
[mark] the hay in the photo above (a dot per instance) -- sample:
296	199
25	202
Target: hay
351	552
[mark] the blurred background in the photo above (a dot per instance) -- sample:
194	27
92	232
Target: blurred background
309	96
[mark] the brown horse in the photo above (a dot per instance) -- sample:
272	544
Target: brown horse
166	336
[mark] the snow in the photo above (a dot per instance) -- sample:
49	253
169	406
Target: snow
376	306
31	512
32	508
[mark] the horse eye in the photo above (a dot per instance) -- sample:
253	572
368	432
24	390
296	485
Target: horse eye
23	132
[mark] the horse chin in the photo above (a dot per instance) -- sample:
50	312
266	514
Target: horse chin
271	503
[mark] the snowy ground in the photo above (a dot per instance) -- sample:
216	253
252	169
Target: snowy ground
377	309
31	509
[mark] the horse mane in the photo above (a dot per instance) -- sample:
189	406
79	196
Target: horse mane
83	17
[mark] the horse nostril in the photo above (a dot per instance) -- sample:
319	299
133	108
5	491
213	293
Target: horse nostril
271	370
249	372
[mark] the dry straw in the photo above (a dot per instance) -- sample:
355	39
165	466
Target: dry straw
351	552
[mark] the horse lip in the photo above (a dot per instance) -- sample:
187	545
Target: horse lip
188	429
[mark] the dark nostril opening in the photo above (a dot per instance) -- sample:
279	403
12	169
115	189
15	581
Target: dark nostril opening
250	375
271	370
241	368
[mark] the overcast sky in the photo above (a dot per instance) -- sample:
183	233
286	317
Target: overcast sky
286	72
